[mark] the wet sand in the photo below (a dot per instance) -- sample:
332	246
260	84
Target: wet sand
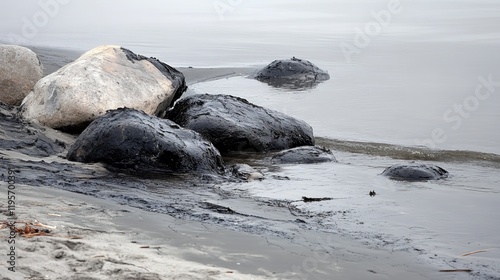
105	225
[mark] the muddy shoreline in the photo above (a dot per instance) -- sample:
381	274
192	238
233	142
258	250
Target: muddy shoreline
264	237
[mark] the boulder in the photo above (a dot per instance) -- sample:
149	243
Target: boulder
292	73
135	141
233	124
20	69
246	172
105	78
415	172
304	155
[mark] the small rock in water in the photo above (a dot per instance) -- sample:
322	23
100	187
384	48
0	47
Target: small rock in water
304	155
415	172
292	73
246	172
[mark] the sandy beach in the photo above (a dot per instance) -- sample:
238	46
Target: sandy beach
104	225
95	239
92	239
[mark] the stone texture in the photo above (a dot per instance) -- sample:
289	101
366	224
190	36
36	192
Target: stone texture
233	124
292	73
136	142
20	70
415	172
304	155
105	78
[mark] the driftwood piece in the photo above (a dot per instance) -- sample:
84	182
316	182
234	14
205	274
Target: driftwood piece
315	199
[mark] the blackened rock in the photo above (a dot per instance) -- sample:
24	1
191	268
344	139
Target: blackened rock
233	124
304	155
292	73
415	172
130	139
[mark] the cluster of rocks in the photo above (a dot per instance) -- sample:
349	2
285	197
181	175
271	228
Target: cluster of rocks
117	102
122	106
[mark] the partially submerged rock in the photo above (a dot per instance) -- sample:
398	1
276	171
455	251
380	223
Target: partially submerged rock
292	73
304	155
246	172
20	69
105	78
233	124
132	140
415	172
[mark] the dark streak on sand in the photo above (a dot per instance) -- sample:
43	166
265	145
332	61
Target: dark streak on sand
26	139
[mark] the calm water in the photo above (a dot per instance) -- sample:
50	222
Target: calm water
428	74
410	79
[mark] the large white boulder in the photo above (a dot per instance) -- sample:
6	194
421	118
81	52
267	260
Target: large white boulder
105	78
20	69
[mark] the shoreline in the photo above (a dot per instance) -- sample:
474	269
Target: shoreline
287	249
53	59
91	237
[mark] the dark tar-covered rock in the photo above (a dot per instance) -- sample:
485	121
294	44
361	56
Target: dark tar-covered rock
304	155
233	124
292	73
415	172
131	139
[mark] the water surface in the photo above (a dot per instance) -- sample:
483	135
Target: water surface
401	86
409	86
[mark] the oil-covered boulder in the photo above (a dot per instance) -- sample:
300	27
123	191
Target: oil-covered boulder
102	79
132	140
292	73
415	172
233	124
304	155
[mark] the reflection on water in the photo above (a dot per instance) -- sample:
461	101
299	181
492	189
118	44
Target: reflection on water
352	115
411	80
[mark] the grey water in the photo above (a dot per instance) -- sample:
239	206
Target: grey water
410	80
412	73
